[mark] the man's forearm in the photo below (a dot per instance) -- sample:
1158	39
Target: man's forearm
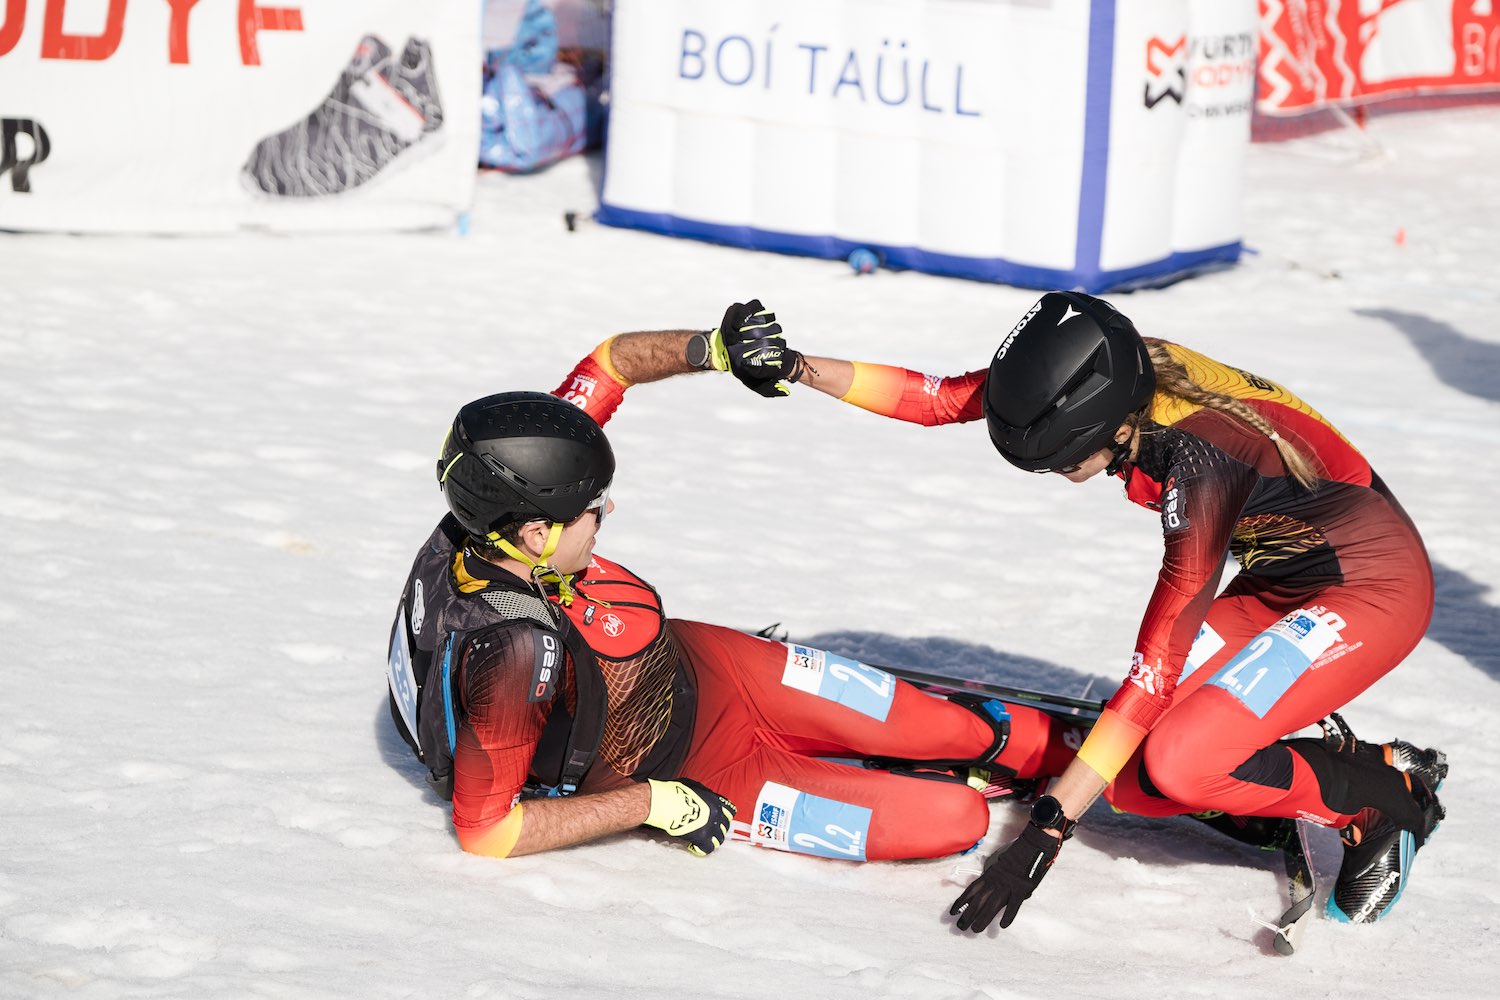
647	357
561	822
546	824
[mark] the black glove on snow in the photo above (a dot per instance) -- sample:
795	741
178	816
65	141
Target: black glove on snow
750	344
1008	880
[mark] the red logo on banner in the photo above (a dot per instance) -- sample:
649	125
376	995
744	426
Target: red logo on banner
60	44
1168	77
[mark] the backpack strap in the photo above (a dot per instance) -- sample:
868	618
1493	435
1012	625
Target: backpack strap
570	743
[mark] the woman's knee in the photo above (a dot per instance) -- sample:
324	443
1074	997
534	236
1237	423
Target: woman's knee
1185	765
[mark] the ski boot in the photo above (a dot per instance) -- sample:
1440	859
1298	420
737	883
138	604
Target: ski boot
1379	850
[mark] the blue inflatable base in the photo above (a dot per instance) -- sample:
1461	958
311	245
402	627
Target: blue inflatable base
1173	267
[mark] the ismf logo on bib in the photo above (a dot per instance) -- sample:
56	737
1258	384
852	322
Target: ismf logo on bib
1261	673
789	820
839	679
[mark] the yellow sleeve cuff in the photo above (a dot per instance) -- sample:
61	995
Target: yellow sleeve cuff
495	841
1110	744
601	356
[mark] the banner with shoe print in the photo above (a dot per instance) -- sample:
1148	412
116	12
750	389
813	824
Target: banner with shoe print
297	115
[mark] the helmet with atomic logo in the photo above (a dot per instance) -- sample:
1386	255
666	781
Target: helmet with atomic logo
1064	380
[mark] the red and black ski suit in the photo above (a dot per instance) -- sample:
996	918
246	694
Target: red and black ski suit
763	717
1334	589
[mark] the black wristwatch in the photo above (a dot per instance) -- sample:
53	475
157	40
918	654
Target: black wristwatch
1047	814
697	352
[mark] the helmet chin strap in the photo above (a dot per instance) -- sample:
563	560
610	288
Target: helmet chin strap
541	570
1118	455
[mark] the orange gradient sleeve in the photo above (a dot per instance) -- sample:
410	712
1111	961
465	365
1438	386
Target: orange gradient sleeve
1110	744
903	394
496	840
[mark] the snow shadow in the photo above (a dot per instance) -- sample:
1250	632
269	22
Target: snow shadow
398	756
1464	621
963	660
1468	365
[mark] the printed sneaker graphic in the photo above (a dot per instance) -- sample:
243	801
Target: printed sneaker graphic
380	108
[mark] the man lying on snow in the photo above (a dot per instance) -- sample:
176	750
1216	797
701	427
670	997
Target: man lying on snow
552	698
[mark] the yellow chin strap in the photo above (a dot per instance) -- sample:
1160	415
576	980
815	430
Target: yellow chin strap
541	571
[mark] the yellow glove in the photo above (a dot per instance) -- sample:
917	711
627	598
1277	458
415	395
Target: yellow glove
687	810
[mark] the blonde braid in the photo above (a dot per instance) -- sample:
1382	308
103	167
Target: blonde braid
1172	379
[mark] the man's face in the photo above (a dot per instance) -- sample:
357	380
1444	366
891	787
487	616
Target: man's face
576	546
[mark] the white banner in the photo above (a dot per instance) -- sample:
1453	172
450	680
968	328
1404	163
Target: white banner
189	116
996	139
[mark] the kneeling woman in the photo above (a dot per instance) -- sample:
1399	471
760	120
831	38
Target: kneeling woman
1334	590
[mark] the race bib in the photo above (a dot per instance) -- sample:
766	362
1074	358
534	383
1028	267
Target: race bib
788	820
1261	673
398	672
839	679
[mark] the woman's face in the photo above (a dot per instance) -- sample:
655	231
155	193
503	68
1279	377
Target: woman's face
1088	468
1098	461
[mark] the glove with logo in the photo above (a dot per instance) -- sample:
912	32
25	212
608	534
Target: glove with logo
750	345
1009	879
686	809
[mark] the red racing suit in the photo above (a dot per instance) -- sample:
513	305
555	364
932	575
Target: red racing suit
767	720
1334	589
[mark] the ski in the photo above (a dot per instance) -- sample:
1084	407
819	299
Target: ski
1082	711
1302	886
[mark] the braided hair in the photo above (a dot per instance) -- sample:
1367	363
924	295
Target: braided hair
1172	379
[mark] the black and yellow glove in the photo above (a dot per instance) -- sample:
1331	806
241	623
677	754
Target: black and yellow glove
750	345
689	811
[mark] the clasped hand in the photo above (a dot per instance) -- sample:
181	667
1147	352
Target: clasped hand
750	345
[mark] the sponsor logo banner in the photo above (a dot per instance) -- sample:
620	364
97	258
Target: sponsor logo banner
1321	53
127	115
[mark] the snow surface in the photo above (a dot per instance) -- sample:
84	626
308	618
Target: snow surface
216	464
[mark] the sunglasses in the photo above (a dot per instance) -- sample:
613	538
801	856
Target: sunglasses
599	505
1119	451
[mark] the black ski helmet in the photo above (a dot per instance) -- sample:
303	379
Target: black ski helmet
516	456
1064	380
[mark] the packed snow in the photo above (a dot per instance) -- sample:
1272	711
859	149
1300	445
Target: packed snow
216	463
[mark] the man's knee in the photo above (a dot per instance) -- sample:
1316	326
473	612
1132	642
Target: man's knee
947	819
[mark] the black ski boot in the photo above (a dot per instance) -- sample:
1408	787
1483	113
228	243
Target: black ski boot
1397	783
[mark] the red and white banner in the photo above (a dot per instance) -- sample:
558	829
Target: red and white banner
185	116
1317	53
